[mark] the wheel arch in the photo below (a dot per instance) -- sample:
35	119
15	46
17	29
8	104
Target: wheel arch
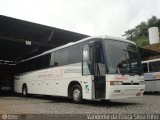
71	84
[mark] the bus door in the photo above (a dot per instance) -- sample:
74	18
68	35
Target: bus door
96	65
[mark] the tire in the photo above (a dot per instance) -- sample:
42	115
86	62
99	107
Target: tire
24	91
105	101
76	94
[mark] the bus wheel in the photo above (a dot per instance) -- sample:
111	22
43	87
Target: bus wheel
76	94
24	91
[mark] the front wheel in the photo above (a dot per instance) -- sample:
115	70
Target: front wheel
76	94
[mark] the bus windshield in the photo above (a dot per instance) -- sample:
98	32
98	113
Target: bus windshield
122	58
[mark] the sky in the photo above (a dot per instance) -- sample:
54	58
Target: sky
91	17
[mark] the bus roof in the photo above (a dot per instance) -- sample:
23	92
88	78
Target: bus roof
73	43
151	60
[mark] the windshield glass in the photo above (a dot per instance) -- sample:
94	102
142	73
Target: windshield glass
122	58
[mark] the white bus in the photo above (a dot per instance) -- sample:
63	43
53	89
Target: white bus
92	68
152	75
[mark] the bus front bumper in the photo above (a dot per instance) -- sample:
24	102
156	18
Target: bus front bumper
121	91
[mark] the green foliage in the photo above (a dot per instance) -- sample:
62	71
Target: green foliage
139	34
142	41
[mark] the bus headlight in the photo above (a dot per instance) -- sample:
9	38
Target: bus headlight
142	82
116	82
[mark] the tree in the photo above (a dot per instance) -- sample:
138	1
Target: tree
139	34
153	21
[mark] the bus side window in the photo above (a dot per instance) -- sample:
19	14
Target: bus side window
38	63
61	57
158	66
29	65
154	66
52	62
145	67
46	60
150	67
75	54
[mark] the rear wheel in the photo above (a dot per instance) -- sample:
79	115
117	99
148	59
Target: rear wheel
76	94
105	101
24	91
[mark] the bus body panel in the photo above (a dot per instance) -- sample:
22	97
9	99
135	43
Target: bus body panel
126	90
55	80
152	81
152	75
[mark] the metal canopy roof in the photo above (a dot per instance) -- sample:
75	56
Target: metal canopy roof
146	53
15	37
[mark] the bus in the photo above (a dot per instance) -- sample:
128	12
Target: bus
151	70
103	68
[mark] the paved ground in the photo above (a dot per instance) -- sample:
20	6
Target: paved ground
56	105
42	107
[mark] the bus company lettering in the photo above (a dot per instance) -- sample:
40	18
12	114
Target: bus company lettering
121	77
49	74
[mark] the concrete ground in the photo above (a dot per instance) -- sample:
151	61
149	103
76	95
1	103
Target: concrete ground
147	104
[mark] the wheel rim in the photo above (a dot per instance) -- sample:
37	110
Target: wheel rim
76	94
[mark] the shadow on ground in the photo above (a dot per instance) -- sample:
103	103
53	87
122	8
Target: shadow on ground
57	99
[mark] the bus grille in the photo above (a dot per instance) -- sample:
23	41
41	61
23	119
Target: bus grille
130	83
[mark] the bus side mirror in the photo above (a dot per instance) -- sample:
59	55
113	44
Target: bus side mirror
87	63
86	54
